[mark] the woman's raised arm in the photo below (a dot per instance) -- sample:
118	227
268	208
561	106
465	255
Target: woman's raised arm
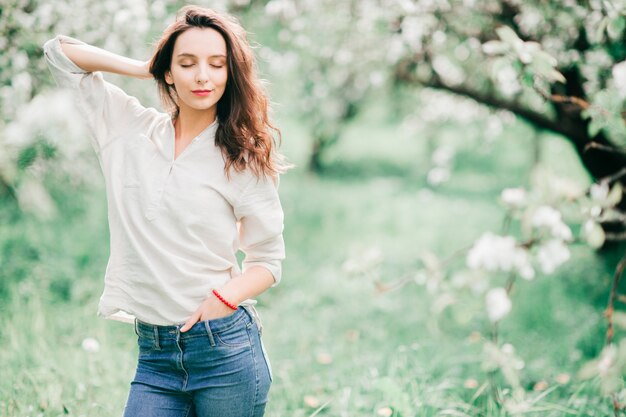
108	111
91	58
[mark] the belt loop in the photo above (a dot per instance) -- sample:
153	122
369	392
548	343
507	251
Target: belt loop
255	316
136	331
156	337
209	332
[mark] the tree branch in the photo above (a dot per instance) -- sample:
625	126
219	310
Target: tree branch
596	145
616	236
403	73
608	313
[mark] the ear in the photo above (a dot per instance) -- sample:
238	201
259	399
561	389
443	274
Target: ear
168	78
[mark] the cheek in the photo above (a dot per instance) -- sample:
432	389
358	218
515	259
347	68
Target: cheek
221	78
178	77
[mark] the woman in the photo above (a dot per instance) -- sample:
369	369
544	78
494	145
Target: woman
185	190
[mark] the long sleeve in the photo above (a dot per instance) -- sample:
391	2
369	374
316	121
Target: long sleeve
107	110
260	217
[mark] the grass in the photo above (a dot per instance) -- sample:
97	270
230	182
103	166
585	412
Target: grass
337	346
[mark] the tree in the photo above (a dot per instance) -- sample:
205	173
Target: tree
560	66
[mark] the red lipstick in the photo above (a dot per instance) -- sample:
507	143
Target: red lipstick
202	92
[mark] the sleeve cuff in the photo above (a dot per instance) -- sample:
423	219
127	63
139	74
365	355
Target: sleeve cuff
54	53
274	268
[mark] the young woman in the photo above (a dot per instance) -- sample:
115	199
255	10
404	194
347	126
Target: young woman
186	189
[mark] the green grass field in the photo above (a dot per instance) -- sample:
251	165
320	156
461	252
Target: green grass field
337	346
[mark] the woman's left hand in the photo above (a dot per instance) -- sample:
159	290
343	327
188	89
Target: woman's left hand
211	308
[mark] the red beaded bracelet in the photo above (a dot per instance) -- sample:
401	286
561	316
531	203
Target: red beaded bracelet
232	306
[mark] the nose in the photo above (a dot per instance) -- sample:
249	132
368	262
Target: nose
202	77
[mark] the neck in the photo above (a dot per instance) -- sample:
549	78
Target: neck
190	122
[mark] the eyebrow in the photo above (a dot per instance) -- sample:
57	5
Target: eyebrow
185	54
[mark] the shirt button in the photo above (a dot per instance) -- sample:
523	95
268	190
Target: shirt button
150	214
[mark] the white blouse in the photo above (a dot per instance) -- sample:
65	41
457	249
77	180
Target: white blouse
175	225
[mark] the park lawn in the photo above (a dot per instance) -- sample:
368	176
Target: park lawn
338	346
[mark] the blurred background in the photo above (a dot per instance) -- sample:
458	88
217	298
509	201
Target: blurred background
454	224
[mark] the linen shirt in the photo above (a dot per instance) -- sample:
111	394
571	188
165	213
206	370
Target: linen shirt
175	224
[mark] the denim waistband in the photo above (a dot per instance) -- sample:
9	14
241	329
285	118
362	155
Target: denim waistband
155	331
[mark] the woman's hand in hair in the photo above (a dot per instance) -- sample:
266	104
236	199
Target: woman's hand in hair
144	71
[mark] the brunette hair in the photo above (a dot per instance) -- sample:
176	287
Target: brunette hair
244	131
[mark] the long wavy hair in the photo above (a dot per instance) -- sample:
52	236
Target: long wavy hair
245	131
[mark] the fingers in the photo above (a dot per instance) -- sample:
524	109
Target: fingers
189	324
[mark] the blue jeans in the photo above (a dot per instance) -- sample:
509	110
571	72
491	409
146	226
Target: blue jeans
218	368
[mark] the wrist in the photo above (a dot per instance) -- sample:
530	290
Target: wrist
230	293
228	302
141	69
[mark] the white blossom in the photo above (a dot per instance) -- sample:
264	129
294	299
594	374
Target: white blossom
91	345
595	211
447	70
33	197
514	197
550	218
498	304
508	82
607	360
500	253
551	255
281	8
363	260
524	267
619	78
438	175
442	156
599	191
529	20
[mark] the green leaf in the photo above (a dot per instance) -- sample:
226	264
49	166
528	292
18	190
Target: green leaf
619	319
544	65
595	126
545	57
615	195
395	395
594	234
26	157
528	78
601	27
611	383
605	113
589	370
616	26
508	36
495	47
555	75
497	65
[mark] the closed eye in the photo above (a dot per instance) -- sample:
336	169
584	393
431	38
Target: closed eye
212	65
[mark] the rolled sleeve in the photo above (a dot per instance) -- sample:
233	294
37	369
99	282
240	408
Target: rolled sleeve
107	110
260	218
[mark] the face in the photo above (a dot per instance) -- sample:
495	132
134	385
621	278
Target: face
199	63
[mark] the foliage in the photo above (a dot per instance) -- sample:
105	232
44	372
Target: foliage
335	343
533	244
560	66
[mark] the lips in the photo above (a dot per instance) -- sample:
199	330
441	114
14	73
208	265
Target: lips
201	92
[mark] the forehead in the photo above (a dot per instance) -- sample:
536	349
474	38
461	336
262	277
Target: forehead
202	42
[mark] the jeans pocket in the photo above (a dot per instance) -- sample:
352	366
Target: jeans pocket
234	336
